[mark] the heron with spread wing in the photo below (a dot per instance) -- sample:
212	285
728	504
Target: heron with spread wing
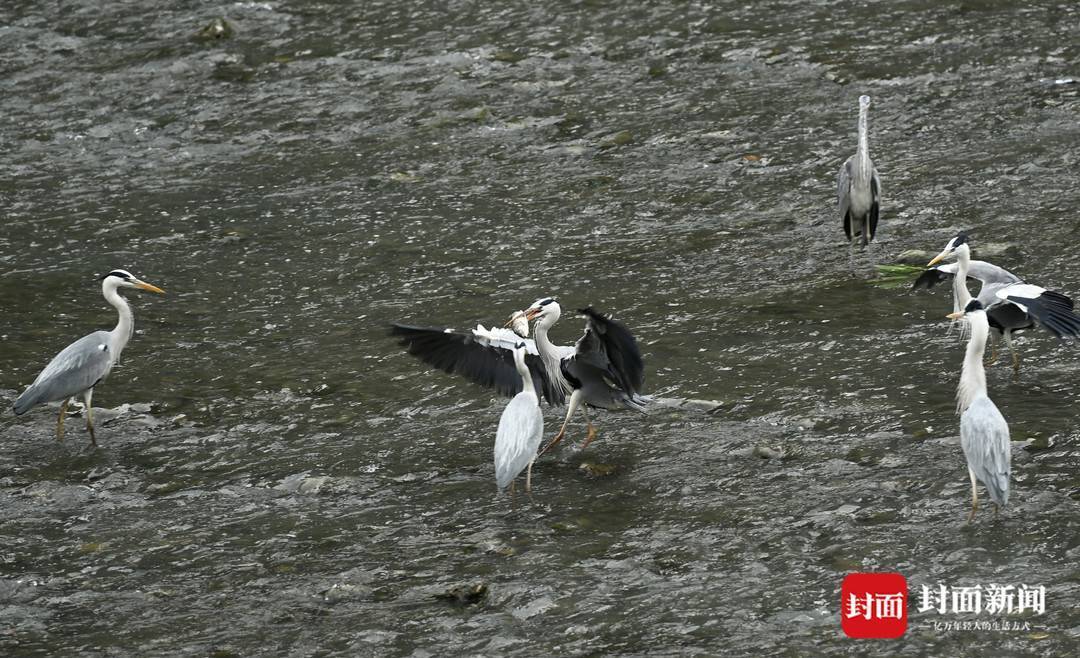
85	363
1010	304
604	369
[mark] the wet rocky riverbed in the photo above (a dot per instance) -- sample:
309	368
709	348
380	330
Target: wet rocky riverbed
276	476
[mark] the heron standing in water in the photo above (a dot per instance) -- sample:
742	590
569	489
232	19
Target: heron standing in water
521	428
984	434
858	188
82	365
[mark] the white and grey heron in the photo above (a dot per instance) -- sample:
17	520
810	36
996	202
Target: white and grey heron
858	188
521	428
984	434
1011	305
82	365
604	369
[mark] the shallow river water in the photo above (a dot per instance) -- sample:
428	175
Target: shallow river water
276	476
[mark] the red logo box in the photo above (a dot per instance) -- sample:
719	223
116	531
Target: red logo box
873	605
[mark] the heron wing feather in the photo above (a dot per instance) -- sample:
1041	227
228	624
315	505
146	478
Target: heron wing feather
481	360
608	345
78	367
984	437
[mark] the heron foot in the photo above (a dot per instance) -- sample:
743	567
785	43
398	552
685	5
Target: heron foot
554	442
974	508
588	437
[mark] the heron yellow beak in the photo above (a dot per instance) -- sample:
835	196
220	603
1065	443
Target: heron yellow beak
142	285
955	316
531	313
937	259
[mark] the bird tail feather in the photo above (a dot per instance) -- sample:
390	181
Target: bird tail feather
26	401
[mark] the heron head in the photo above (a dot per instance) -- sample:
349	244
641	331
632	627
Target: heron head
125	279
864	101
953	245
544	307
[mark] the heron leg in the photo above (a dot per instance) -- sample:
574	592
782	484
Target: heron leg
88	397
528	477
1012	350
575	400
60	419
993	350
590	429
974	497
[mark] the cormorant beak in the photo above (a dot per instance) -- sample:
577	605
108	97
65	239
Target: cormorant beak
142	285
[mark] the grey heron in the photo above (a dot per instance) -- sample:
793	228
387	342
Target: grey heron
858	188
603	369
984	434
1011	305
521	427
81	366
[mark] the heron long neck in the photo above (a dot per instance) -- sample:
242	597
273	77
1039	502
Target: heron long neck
549	353
972	375
125	325
523	370
864	140
961	294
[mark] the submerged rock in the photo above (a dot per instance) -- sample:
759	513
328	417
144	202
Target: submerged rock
915	257
219	28
598	470
465	594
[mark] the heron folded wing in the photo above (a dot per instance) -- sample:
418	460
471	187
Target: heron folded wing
76	368
875	205
984	436
843	194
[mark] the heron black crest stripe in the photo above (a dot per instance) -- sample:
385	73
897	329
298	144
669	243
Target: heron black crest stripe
117	273
547	301
973	305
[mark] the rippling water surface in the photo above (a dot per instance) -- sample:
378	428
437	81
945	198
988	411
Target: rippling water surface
276	476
